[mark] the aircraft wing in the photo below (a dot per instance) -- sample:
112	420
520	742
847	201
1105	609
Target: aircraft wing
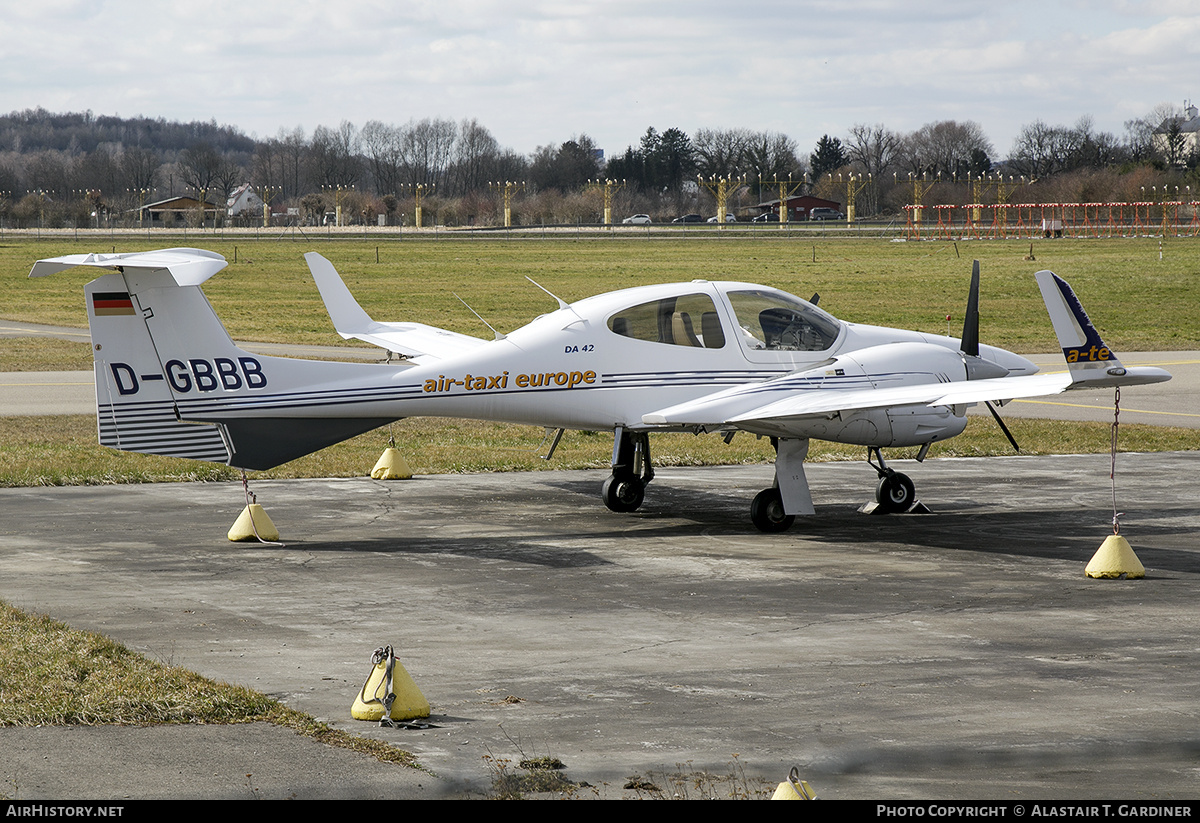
791	398
351	322
797	396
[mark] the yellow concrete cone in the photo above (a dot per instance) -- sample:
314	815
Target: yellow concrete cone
253	524
407	700
1115	558
391	466
794	788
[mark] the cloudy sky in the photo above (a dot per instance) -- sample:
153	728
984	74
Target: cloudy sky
537	72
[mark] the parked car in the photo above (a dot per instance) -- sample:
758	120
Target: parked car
688	218
729	218
823	213
767	217
637	219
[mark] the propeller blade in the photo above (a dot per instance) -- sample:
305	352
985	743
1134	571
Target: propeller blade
1003	427
970	335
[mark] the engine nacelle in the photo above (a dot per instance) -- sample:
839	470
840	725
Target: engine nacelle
889	366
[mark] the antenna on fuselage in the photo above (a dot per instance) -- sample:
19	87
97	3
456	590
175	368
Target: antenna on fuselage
499	336
562	304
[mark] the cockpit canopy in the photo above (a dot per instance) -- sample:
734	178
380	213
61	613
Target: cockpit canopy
774	321
767	320
686	320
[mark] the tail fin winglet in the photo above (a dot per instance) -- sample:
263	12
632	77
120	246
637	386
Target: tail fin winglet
351	320
1089	360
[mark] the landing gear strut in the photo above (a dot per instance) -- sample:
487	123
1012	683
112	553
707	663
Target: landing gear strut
775	509
895	492
625	490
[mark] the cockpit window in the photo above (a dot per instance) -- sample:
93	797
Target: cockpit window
688	320
771	321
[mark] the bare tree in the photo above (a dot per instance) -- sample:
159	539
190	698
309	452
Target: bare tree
1139	132
140	167
721	152
229	176
384	147
427	148
293	147
475	153
199	167
873	149
1040	149
333	155
947	147
772	156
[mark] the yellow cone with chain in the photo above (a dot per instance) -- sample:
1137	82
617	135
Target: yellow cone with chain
794	788
408	703
253	524
1115	558
391	466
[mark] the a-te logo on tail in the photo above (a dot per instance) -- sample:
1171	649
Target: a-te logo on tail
1087	354
197	374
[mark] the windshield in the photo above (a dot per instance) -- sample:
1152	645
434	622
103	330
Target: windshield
774	321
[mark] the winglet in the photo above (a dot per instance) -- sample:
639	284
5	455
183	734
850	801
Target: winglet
347	315
1089	359
351	321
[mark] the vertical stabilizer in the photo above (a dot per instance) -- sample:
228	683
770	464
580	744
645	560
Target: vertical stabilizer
170	381
1089	359
135	410
1086	354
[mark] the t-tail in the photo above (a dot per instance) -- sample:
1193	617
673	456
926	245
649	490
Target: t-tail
170	381
1089	360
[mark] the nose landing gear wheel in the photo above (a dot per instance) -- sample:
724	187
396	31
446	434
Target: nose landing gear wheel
623	494
895	493
766	512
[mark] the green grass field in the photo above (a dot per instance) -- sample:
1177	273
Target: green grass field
1138	301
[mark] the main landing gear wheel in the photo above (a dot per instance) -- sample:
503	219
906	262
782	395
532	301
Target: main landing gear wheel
895	493
766	512
623	494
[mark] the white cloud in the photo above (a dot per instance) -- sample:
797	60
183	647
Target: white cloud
540	72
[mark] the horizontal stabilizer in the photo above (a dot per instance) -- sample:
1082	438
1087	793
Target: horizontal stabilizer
351	322
188	267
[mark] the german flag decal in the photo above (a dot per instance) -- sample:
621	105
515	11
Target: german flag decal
111	303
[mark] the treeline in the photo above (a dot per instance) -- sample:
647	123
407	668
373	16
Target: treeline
81	169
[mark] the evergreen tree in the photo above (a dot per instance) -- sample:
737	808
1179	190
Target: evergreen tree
829	156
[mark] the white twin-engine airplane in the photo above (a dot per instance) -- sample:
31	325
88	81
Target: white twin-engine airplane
699	357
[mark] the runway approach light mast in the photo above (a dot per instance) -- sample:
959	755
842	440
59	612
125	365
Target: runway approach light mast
720	186
920	189
854	184
418	190
609	187
786	189
509	189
